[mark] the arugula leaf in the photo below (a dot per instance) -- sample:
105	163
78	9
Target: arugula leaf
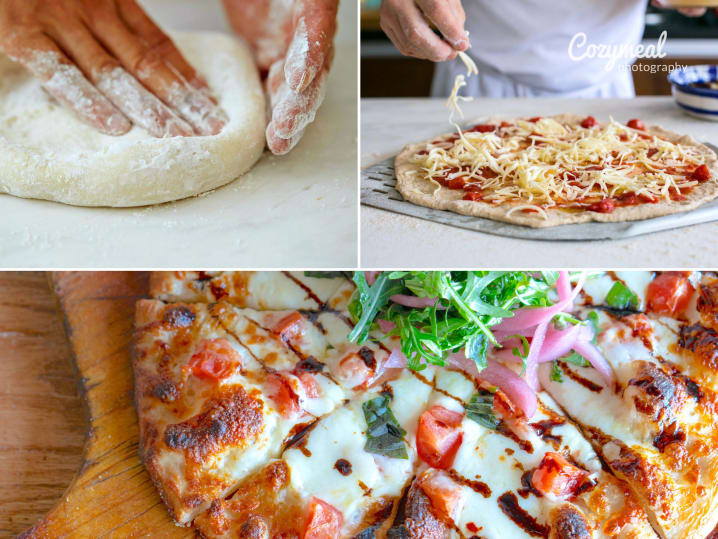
328	274
476	348
550	276
621	297
576	359
593	319
367	300
480	409
556	372
384	434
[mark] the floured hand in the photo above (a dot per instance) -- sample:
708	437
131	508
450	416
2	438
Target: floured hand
292	41
405	22
111	64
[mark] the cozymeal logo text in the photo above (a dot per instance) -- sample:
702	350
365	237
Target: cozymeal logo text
579	49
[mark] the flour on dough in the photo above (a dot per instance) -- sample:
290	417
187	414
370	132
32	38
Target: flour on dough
46	152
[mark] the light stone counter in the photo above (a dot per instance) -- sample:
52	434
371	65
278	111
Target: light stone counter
391	240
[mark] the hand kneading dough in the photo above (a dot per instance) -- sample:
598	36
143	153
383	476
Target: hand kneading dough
45	152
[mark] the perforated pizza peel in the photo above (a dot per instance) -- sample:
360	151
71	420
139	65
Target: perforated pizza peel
378	189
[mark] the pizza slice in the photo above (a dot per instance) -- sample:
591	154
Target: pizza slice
343	477
653	427
272	290
487	471
210	411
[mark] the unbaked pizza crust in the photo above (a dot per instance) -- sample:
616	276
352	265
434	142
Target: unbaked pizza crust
426	193
47	153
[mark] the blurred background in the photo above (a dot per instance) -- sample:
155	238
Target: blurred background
386	73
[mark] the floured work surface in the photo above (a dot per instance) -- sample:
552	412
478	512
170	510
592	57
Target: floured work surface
378	190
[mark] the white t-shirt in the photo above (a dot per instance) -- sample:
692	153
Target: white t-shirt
522	48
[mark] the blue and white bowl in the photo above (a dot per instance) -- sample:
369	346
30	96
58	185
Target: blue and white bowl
696	101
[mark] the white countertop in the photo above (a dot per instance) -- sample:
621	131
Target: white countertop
390	240
293	211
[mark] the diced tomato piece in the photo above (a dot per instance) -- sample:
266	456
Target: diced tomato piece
623	137
473	196
702	173
439	436
456	183
354	371
289	326
324	521
535	119
443	492
214	360
635	123
483	128
279	388
286	390
512	416
651	152
669	293
604	206
628	199
309	383
557	476
488	173
588	122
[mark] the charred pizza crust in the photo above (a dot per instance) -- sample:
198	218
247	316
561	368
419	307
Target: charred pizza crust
426	193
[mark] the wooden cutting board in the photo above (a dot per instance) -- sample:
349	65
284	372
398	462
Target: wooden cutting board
111	495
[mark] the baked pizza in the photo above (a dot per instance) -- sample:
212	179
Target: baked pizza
431	404
548	171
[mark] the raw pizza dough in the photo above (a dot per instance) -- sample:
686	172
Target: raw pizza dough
46	152
425	193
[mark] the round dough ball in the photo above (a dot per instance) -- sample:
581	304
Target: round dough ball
46	152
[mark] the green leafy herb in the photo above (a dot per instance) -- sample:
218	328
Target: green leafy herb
384	434
468	304
576	359
556	372
593	319
621	297
328	274
480	409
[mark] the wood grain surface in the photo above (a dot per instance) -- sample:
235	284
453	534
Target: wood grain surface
42	424
111	495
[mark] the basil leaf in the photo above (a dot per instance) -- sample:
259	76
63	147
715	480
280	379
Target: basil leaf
384	434
480	409
556	372
621	297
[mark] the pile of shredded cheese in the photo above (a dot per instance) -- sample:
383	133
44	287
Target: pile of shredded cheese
531	161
